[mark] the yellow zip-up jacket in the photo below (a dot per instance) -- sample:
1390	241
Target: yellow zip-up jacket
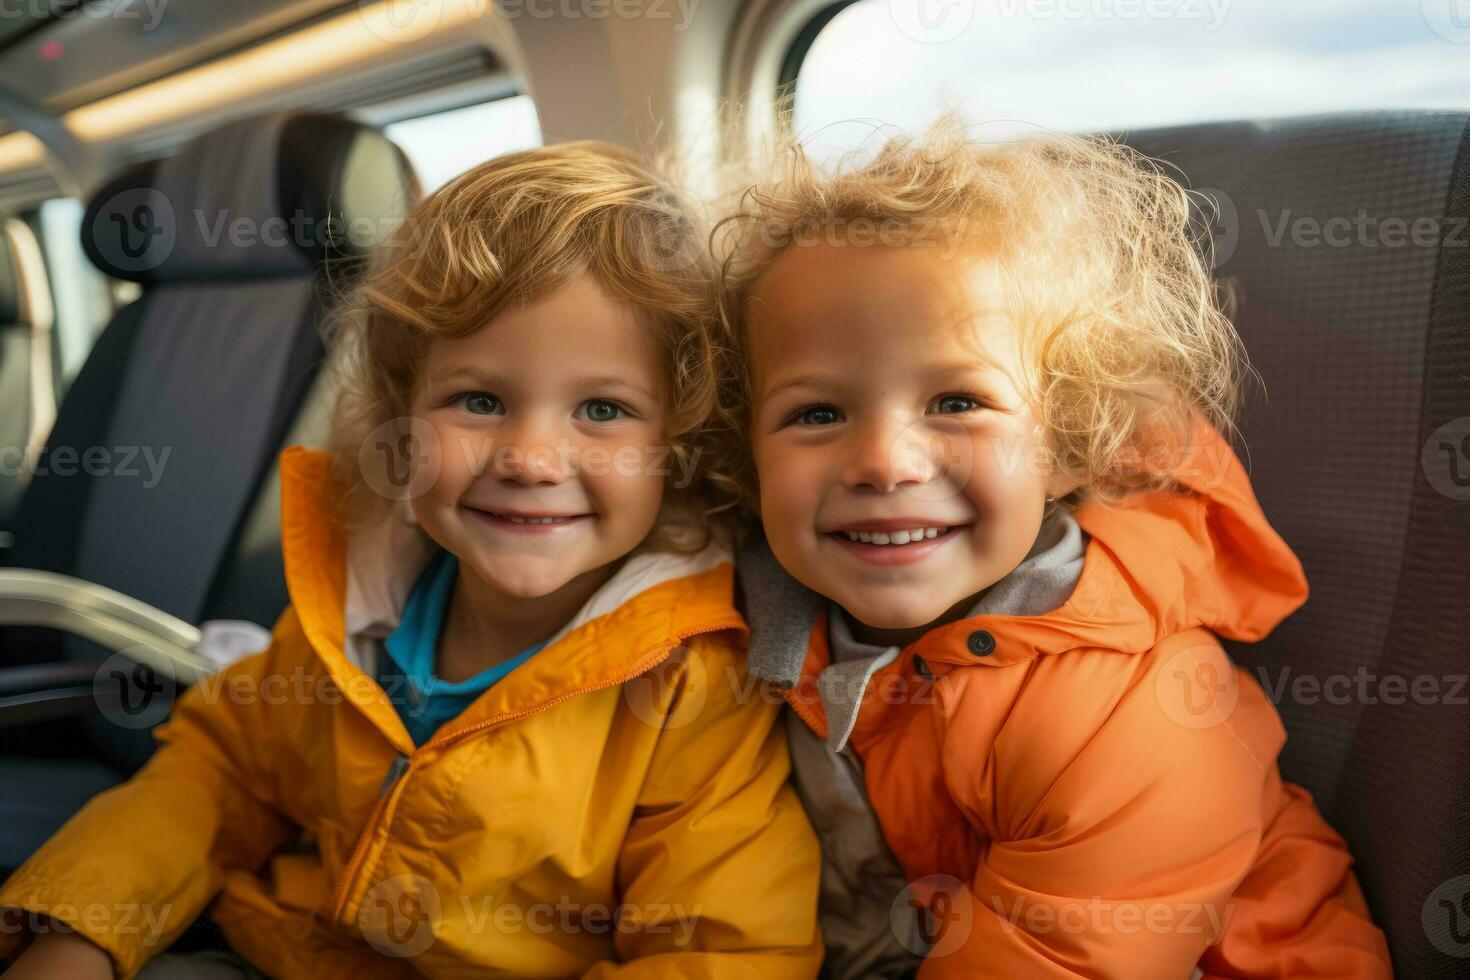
617	806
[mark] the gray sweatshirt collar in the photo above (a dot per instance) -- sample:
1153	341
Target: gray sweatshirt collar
780	612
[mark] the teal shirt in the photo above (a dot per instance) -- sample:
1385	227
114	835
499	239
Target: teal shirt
423	700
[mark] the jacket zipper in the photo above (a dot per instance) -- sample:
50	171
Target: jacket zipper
401	764
396	768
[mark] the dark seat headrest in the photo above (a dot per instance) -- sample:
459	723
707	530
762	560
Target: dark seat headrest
262	197
12	299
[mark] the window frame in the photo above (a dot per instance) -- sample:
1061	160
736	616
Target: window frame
801	45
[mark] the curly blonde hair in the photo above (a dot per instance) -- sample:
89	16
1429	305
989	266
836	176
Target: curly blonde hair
1125	336
509	232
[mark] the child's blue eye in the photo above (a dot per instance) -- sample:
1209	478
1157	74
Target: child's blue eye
817	415
966	404
602	410
480	403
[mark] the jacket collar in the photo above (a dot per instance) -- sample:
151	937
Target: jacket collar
348	588
1154	565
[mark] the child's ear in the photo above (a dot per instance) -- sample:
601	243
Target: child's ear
1059	484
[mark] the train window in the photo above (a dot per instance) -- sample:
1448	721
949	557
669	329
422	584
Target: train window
83	296
1103	65
446	144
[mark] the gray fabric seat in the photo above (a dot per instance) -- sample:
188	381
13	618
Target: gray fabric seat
234	240
1360	328
241	241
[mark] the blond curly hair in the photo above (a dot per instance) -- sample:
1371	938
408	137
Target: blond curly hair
509	232
1126	339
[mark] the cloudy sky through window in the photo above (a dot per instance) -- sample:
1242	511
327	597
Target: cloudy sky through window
1117	64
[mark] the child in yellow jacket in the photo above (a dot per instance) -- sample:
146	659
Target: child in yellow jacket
500	730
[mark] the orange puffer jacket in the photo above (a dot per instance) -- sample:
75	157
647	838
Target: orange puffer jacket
1094	792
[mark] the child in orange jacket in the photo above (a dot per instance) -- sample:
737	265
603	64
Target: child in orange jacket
493	734
983	387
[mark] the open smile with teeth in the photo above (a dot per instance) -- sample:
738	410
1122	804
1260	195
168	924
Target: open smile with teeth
528	519
894	537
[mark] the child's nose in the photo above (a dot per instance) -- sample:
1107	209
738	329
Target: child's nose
886	456
529	452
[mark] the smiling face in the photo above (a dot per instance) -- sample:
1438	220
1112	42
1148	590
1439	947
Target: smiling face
886	408
547	422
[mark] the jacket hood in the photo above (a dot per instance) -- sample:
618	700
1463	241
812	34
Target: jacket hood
348	587
1155	565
